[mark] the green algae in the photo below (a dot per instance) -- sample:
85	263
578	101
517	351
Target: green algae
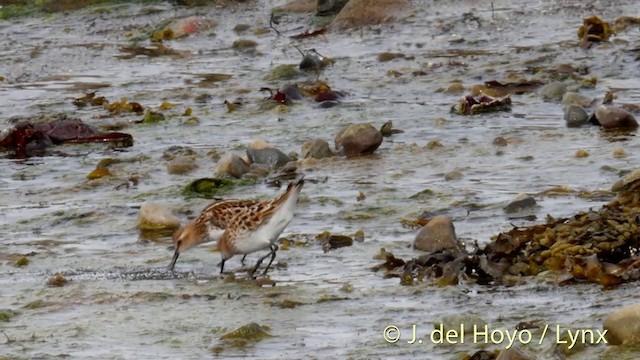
251	332
210	188
36	304
283	72
7	314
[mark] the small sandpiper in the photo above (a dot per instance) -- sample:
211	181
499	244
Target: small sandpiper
240	226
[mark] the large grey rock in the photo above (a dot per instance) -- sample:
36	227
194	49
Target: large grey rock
182	164
369	12
553	90
231	164
575	115
519	203
573	98
260	152
257	171
326	7
358	139
155	217
316	149
611	117
438	235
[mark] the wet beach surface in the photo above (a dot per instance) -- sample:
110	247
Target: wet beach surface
120	301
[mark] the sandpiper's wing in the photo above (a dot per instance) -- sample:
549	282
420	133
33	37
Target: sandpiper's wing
255	227
268	219
220	213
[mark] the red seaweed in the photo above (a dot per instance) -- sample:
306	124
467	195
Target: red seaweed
26	136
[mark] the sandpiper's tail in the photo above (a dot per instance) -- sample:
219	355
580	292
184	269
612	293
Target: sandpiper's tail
293	187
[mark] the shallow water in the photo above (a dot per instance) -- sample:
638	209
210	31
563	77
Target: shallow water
122	303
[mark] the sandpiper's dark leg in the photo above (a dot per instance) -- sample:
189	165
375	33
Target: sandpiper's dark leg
173	261
242	261
257	265
274	248
260	261
222	265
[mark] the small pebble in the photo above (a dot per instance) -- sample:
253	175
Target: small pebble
619	153
519	203
454	88
573	98
434	144
453	175
500	141
553	90
181	165
582	153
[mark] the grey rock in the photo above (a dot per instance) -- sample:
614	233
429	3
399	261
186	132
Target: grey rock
553	90
181	165
153	216
610	117
175	151
256	171
438	235
316	149
327	7
456	320
575	115
231	164
519	203
357	13
259	152
453	175
573	98
358	139
293	155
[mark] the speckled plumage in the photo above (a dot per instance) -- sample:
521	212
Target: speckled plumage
240	226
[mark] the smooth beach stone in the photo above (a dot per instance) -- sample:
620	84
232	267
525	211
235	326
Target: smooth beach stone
231	164
553	90
437	235
316	149
181	165
259	152
575	115
612	117
369	12
153	216
358	139
519	203
573	98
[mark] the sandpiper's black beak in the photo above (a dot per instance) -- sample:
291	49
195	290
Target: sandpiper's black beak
175	258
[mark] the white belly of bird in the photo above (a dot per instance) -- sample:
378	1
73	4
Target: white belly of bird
269	231
251	243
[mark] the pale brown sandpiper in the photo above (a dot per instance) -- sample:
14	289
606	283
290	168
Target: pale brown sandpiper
208	226
241	226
